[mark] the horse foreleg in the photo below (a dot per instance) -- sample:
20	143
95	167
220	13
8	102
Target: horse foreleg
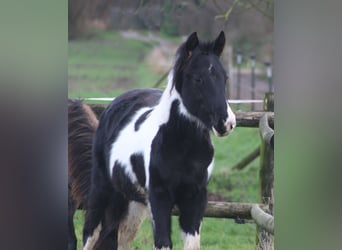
191	240
191	214
93	238
161	206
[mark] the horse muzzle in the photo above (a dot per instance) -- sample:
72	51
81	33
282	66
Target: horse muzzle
225	127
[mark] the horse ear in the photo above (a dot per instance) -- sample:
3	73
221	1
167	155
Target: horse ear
191	43
219	44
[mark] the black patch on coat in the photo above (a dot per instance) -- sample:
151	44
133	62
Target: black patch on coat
123	184
141	119
138	166
180	153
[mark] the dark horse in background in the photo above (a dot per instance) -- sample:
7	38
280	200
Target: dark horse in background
82	123
152	151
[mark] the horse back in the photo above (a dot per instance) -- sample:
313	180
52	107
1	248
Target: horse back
117	116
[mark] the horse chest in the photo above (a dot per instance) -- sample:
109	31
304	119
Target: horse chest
180	158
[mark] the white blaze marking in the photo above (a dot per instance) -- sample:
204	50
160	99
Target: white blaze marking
210	67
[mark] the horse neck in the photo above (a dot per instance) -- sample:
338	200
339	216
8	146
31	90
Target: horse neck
170	94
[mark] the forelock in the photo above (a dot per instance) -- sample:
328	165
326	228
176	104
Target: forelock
206	47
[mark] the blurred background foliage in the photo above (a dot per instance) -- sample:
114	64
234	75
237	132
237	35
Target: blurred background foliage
248	23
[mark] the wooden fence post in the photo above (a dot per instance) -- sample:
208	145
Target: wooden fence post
248	159
264	238
269	101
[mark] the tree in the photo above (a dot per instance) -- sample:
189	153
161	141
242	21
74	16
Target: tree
265	7
81	11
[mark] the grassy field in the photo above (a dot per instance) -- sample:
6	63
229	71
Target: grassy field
107	65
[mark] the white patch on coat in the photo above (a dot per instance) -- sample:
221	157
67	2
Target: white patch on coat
128	142
130	225
210	168
191	242
210	68
131	142
91	241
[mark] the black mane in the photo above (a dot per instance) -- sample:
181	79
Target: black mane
206	47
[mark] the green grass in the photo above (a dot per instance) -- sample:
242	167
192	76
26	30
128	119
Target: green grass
215	234
107	65
233	185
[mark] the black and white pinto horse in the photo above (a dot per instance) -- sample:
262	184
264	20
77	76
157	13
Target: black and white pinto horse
153	150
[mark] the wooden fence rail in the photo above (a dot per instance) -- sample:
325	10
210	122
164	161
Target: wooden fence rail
252	119
262	219
248	159
230	210
243	119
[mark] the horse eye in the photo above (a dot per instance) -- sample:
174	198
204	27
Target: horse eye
226	81
198	79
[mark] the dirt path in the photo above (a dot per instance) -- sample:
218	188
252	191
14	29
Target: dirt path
150	37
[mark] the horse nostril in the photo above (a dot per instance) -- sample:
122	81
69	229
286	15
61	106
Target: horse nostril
230	126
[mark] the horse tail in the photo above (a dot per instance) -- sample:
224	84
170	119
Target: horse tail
82	124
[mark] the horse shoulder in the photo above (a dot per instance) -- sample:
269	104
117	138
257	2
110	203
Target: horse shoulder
132	146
